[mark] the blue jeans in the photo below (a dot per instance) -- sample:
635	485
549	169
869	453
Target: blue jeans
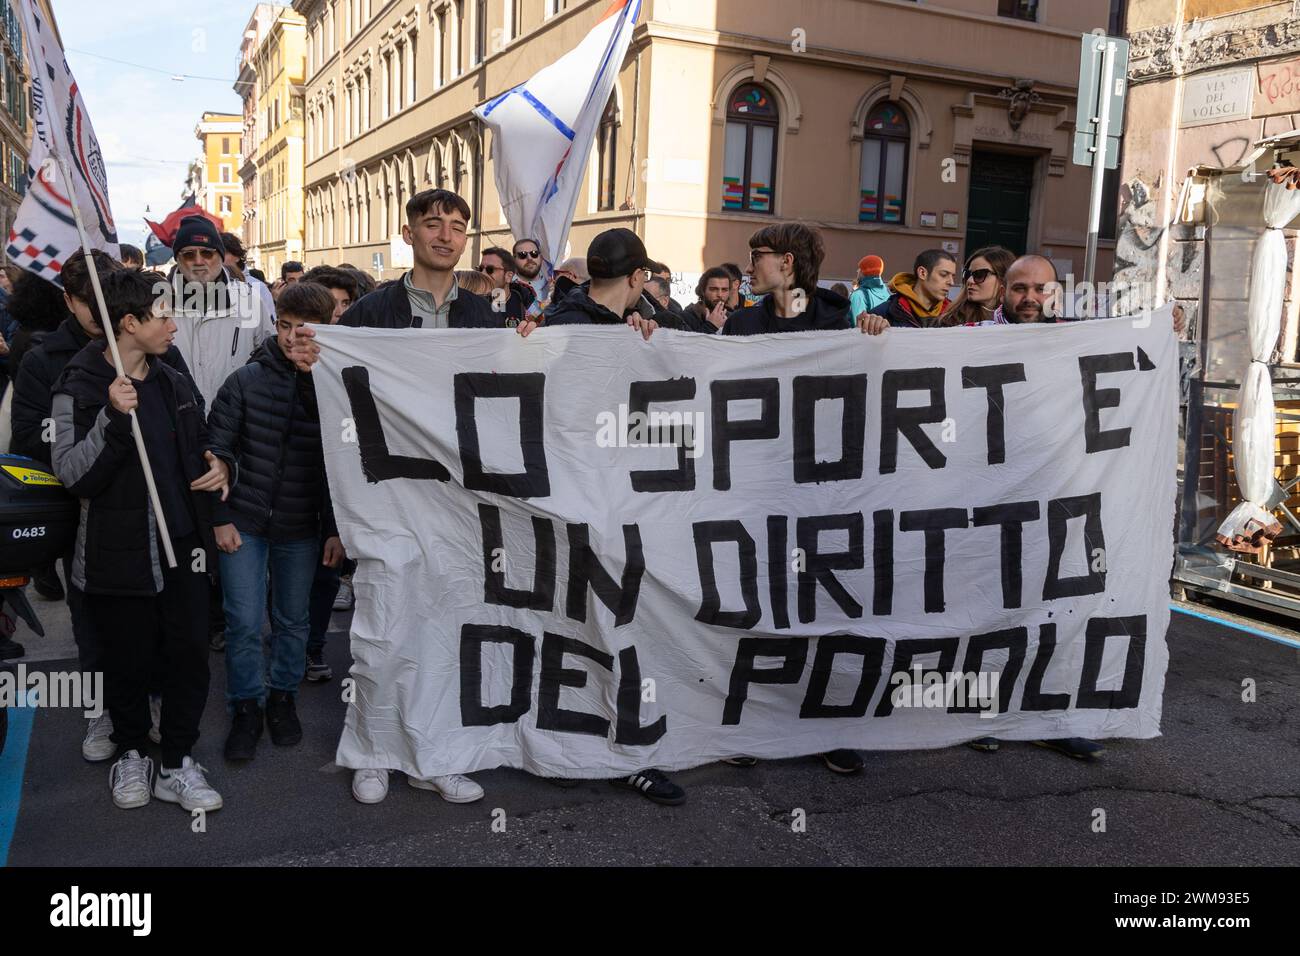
243	584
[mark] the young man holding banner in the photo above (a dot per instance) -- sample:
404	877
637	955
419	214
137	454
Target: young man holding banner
426	297
785	262
619	268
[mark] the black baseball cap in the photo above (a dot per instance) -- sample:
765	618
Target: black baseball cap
616	253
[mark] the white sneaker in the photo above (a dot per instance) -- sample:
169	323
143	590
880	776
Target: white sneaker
129	780
186	786
155	718
97	745
344	600
454	788
370	786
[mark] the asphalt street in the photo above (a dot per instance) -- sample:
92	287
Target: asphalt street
1222	786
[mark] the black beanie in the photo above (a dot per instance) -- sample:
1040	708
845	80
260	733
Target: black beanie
197	231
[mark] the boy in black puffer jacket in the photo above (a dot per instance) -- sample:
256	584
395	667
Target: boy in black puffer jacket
265	419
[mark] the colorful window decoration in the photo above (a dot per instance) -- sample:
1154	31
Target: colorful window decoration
752	101
886	141
749	161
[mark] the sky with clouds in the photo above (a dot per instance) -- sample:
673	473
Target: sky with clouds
144	119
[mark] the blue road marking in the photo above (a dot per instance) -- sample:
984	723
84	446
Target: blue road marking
1277	638
12	763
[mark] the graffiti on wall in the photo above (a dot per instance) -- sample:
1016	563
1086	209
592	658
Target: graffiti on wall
1137	253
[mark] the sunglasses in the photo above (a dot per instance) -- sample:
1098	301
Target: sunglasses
979	275
490	270
189	255
756	254
528	255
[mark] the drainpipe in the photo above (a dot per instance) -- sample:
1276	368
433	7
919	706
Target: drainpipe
1167	214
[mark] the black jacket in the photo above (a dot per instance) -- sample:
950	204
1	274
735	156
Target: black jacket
389	308
695	319
825	311
34	385
519	297
578	308
117	550
265	419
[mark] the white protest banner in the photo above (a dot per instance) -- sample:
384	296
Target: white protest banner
887	542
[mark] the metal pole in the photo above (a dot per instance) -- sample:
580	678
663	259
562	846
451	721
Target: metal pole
117	362
1099	144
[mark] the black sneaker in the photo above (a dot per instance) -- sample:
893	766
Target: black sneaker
653	785
10	649
317	669
741	761
988	745
1076	747
843	761
282	719
47	583
245	731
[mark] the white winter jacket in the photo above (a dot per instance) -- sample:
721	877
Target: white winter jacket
218	328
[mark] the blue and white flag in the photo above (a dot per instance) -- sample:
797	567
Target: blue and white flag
44	232
543	130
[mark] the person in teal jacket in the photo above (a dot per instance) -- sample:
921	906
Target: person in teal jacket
870	290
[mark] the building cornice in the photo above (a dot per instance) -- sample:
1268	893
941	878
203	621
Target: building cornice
1229	40
830	56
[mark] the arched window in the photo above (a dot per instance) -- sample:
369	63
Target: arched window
749	165
883	179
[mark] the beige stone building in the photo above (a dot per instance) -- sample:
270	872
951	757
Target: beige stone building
1208	80
246	85
271	82
892	125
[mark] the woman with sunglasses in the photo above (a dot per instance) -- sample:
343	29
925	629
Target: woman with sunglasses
983	283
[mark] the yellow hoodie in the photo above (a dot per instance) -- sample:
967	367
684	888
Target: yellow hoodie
903	283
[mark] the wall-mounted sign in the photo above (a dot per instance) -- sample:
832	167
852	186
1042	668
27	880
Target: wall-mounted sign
1217	97
929	220
951	217
951	246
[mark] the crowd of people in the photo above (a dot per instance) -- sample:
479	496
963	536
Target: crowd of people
217	376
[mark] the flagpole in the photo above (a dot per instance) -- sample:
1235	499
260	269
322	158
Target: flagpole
107	326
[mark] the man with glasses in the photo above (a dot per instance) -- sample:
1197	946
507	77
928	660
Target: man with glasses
528	267
920	296
509	296
785	263
619	269
219	320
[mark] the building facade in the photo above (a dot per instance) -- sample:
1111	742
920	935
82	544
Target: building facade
1208	79
724	117
264	15
218	189
15	119
273	61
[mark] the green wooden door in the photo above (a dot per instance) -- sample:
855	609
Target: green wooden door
1000	193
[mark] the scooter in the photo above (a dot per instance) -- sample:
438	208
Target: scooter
38	520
